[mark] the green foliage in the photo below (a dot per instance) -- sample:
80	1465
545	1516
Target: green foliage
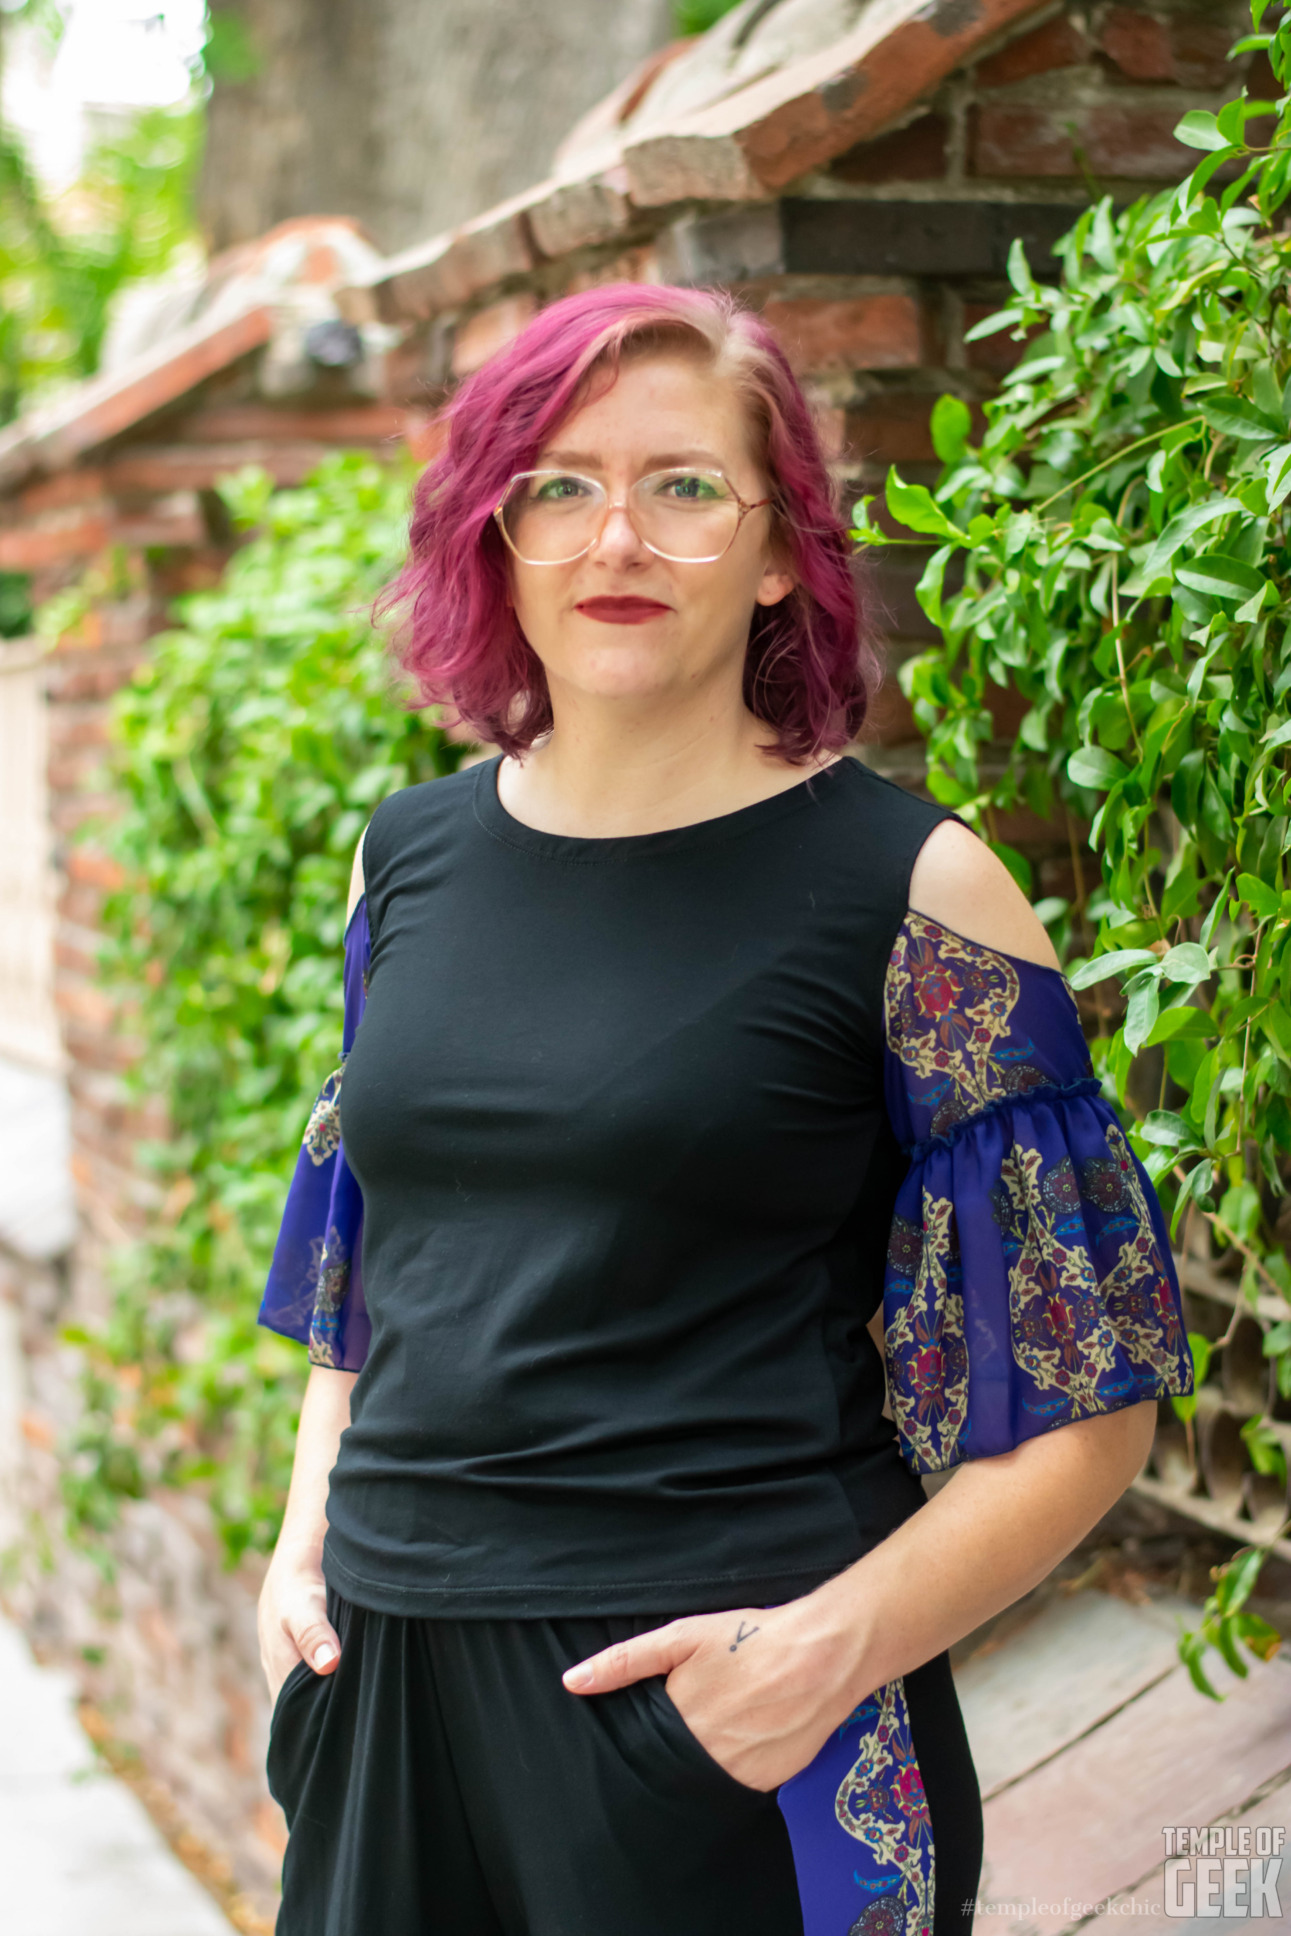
230	55
1227	1626
252	748
62	262
15	604
697	16
1126	570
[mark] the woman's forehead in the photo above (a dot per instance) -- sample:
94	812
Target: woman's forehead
660	409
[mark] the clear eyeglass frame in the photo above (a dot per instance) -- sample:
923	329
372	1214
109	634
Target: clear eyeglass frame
621	504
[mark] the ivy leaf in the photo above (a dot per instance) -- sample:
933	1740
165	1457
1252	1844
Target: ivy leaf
914	506
1094	766
1143	1003
951	423
1114	963
865	531
1165	1127
1277	470
1186	963
1182	1024
1218	574
1180	529
928	590
1201	130
1236	417
1257	894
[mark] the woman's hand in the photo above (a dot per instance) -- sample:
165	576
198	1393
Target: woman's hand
760	1688
292	1622
763	1688
292	1615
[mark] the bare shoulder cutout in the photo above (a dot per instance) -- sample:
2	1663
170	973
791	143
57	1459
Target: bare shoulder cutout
356	879
960	883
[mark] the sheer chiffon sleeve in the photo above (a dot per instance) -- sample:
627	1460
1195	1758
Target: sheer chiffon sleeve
315	1288
1029	1280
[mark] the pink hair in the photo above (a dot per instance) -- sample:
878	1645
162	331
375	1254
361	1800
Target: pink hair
810	669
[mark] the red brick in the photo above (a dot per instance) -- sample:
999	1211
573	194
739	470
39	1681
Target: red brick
995	355
890	720
634	265
71	726
767	134
490	330
1059	43
90	868
54	493
865	333
194	468
374	423
179	525
80	1001
574	215
1189	51
452	269
90	679
1135	143
892	430
28	549
913	153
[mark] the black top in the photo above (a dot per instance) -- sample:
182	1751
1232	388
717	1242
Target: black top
616	1110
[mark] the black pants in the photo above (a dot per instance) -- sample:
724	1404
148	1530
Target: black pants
443	1782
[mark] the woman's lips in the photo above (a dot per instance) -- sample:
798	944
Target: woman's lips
622	611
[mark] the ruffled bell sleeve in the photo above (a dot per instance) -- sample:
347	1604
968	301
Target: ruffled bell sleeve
315	1288
1029	1280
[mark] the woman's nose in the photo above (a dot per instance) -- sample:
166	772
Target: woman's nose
618	538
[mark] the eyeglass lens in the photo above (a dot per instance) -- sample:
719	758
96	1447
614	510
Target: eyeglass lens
552	517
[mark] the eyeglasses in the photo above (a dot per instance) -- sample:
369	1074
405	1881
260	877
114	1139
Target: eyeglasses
688	517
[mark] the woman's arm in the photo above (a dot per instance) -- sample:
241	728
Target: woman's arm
764	1688
292	1614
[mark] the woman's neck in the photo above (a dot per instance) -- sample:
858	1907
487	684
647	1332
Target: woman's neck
597	779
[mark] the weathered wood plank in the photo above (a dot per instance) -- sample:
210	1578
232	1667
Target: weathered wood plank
1145	1903
1088	1825
1081	1658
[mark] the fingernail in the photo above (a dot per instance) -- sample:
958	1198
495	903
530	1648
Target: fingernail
324	1656
579	1677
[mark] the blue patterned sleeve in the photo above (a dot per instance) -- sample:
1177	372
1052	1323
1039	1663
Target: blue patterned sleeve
1029	1280
315	1288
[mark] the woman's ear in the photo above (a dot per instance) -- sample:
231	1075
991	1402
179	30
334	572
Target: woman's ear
775	584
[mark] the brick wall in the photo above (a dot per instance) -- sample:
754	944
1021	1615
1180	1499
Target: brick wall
165	1652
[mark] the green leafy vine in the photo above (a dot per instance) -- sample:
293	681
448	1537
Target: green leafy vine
252	747
1121	535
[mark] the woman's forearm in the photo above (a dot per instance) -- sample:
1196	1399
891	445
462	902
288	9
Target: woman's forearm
324	1415
996	1529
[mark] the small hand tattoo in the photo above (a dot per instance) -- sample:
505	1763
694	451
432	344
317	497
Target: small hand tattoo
741	1635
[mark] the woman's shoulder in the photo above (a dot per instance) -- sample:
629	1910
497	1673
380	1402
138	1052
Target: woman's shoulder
960	884
402	822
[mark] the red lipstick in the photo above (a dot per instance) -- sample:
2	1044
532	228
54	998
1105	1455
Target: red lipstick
622	611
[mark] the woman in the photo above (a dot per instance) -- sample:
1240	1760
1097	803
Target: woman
686	1043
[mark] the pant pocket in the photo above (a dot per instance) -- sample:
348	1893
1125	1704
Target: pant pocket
690	1749
293	1735
295	1676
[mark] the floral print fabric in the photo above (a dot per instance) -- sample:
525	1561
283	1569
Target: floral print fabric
315	1288
861	1830
1029	1279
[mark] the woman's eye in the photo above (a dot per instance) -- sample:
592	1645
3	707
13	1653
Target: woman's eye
557	490
693	489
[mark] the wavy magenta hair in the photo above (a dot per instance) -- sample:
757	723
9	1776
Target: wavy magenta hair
810	668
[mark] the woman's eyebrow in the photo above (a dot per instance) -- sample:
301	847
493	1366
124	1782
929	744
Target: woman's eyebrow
665	461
